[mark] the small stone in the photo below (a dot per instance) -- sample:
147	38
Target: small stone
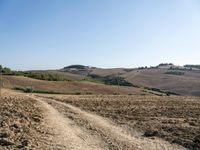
5	142
15	126
150	133
197	139
25	143
36	119
3	135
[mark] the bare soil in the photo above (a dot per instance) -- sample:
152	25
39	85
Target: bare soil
30	121
174	119
20	122
68	87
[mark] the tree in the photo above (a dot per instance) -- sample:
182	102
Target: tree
6	70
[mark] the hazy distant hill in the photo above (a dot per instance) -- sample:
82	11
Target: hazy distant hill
184	80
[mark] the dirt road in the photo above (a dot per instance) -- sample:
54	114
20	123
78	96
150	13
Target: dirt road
73	128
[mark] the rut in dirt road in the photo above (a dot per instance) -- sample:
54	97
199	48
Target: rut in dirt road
66	135
114	136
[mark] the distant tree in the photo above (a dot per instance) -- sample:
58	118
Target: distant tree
76	67
192	66
165	64
140	67
6	70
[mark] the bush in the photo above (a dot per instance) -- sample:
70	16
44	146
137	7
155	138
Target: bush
78	93
115	93
28	90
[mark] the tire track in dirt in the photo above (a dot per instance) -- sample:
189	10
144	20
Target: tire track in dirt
114	136
66	135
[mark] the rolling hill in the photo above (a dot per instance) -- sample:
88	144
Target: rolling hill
67	87
182	80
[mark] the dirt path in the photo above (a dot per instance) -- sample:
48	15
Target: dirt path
77	129
66	134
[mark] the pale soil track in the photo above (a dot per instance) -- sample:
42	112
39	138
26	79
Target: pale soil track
66	134
74	128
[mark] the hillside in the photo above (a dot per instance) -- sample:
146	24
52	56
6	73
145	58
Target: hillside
67	87
186	84
182	80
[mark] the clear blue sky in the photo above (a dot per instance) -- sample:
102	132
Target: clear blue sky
48	34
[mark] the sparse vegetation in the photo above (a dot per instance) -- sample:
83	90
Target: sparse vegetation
5	70
128	70
178	73
193	66
42	76
158	92
111	80
31	90
140	68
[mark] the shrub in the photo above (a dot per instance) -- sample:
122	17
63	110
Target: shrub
88	93
115	93
28	90
78	93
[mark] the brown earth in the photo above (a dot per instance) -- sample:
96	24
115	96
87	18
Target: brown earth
68	87
187	84
20	122
32	121
175	119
